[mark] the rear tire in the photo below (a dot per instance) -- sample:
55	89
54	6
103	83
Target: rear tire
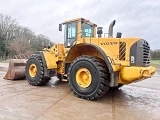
36	77
98	83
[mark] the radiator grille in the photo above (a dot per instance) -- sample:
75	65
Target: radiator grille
122	51
146	53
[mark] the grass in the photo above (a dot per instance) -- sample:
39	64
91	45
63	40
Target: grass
155	62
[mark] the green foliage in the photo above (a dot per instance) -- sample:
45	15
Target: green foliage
3	49
2	46
155	54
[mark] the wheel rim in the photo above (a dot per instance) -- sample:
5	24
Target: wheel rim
83	77
32	70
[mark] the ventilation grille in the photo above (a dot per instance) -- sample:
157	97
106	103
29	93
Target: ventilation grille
122	51
146	53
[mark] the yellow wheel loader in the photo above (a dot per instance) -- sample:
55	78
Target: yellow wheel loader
91	63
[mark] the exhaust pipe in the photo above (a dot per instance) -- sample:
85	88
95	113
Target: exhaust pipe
110	31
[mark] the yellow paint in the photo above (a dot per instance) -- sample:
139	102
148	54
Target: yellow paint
32	70
56	55
131	74
50	60
53	56
109	45
112	50
83	77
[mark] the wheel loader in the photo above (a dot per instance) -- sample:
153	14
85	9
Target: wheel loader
91	62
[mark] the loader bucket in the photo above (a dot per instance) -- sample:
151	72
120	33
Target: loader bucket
16	69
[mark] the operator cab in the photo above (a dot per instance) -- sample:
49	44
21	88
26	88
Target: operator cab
76	29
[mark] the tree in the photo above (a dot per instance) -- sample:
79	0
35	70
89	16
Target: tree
2	46
7	26
39	42
155	54
16	39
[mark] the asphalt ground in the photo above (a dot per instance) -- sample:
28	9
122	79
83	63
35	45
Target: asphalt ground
55	101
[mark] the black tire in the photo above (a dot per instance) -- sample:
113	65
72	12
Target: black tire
100	77
39	79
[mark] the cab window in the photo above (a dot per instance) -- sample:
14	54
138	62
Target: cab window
71	34
87	30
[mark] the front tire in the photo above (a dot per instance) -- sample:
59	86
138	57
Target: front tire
88	77
35	71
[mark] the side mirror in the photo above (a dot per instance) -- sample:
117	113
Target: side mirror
60	27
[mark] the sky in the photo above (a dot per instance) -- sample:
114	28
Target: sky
134	18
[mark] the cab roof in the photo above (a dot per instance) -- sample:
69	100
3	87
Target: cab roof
78	19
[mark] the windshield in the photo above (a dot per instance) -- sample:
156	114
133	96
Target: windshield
70	36
87	30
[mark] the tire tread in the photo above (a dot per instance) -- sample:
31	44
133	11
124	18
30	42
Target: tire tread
104	80
42	79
